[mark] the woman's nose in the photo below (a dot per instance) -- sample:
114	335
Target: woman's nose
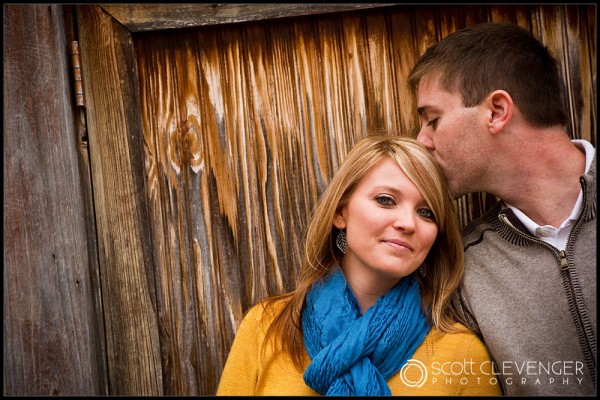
405	220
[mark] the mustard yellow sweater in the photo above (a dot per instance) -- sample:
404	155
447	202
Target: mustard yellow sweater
444	364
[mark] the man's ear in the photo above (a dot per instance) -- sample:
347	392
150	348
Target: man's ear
500	106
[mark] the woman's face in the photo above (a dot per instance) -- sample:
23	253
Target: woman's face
389	226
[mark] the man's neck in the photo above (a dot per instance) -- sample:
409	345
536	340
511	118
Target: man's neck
544	182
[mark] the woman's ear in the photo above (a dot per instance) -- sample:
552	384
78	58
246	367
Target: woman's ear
500	108
338	220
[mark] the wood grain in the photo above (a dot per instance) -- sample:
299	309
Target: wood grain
152	17
125	258
207	147
245	124
53	341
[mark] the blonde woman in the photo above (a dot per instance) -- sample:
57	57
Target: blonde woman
371	314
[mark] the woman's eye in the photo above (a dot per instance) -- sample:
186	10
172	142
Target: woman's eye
426	213
385	200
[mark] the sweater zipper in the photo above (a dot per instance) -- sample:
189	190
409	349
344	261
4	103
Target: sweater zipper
564	264
561	256
582	322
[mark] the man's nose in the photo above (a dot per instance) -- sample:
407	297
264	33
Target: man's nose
425	139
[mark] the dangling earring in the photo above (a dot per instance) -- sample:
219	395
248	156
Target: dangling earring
342	241
422	270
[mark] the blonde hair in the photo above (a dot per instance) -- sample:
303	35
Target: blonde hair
443	264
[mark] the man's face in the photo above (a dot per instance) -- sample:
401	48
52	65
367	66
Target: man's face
452	133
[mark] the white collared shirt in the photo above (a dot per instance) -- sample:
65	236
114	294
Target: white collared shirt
557	237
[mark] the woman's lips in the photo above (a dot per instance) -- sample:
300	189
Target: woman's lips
399	243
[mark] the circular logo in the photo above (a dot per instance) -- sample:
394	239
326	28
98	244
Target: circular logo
421	374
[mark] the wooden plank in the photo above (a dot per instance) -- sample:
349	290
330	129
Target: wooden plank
114	130
178	147
581	25
150	17
575	49
53	342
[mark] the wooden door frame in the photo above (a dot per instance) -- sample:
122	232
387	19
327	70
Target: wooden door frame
152	17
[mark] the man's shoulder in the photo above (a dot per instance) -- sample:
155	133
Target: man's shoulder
473	232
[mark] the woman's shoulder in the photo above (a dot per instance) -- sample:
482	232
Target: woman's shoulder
459	332
452	363
266	310
461	341
258	318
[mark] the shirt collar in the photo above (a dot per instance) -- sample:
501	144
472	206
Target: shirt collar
588	149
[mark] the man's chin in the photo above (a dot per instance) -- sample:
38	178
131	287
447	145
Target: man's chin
457	193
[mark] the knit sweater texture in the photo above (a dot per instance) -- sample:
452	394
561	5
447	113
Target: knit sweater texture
533	305
444	364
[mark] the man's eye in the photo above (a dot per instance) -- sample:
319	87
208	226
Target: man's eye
433	123
426	213
385	200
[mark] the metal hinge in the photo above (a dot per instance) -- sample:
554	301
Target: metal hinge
78	82
80	119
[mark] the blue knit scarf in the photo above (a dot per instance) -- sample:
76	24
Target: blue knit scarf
354	354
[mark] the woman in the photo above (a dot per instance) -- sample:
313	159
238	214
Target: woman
371	314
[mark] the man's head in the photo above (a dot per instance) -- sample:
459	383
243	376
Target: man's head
479	59
481	92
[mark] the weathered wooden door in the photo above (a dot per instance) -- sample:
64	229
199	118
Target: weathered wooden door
240	128
210	143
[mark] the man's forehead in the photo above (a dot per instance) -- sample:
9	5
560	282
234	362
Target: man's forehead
432	86
428	93
433	97
430	81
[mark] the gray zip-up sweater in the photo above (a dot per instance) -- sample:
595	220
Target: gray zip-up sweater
533	305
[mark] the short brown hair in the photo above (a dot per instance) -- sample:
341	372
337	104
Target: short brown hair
479	59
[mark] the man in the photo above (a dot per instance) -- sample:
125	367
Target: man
492	116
